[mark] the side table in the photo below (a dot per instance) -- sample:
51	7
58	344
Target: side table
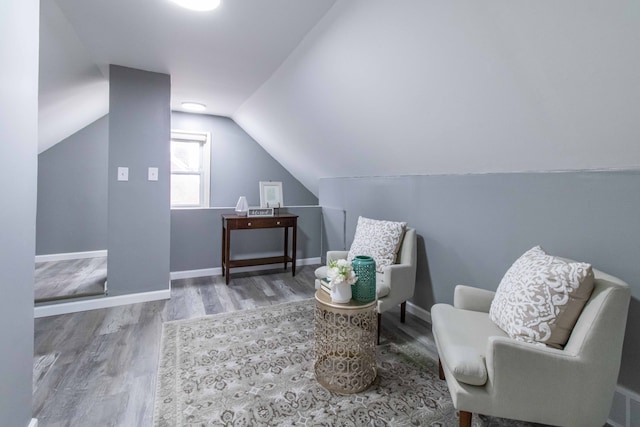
345	344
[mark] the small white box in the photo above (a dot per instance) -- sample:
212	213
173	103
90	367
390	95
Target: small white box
258	212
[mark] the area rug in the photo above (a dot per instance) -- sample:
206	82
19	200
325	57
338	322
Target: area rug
255	368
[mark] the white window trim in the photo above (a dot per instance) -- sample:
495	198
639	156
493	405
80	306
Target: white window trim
205	139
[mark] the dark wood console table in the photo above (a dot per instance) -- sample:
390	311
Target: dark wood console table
235	222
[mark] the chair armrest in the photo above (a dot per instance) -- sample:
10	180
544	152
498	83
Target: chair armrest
511	363
474	299
401	278
336	255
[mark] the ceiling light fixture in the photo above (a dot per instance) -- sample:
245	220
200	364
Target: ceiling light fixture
194	106
199	5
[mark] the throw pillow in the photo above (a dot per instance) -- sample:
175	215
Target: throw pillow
541	297
377	239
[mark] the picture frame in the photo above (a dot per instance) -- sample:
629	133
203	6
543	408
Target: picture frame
260	212
271	194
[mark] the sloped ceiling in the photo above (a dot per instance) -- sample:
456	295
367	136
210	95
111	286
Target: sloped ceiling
72	91
457	86
372	87
218	58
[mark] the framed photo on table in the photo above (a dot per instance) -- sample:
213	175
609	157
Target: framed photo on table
271	194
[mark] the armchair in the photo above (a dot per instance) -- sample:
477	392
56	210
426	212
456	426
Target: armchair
396	284
489	373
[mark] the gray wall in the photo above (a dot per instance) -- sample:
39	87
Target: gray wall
72	192
138	212
18	151
407	87
72	212
472	227
238	163
196	235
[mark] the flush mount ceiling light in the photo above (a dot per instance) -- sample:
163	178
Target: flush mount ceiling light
194	106
199	5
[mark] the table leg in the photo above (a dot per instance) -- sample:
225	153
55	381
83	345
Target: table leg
293	247
286	246
227	251
222	249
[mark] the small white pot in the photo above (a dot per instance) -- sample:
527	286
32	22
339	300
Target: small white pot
341	293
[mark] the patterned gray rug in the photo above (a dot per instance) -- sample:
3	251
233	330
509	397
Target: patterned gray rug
255	368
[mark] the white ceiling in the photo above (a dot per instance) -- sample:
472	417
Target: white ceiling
72	91
218	58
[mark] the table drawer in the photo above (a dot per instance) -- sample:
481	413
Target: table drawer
271	222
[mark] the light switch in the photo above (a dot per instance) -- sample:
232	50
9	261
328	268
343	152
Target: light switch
153	174
123	174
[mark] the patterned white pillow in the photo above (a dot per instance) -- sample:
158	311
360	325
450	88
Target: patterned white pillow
377	239
541	297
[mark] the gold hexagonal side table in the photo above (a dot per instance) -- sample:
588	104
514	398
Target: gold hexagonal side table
345	344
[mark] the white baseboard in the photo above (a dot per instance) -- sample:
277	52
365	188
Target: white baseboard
33	423
217	271
97	303
419	312
614	424
71	255
630	396
189	274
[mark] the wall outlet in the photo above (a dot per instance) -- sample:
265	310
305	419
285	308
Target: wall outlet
153	174
123	174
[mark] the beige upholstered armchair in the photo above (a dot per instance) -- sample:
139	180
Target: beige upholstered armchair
396	284
489	373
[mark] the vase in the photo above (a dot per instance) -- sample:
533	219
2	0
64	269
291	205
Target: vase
364	290
341	293
242	207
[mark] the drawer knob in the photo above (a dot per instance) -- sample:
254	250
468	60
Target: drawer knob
278	222
249	224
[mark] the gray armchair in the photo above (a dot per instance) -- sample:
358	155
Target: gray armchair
396	284
573	386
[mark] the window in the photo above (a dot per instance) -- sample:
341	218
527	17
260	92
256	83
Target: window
190	160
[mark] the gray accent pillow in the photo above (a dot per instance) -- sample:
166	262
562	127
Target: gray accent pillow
377	239
541	297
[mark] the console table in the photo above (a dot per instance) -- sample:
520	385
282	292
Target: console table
236	222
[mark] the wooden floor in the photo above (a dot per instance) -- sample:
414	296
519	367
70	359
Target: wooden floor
98	368
55	280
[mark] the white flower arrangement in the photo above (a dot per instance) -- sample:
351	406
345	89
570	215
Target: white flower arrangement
341	271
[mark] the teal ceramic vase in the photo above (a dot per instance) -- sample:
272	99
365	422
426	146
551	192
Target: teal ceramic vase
364	290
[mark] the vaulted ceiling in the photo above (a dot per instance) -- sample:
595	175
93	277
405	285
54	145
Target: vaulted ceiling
218	58
373	87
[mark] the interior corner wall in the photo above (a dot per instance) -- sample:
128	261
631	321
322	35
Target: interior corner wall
19	29
471	228
238	164
139	210
72	192
196	235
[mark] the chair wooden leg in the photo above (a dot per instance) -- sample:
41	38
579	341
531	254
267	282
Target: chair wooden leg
465	419
440	370
403	311
379	324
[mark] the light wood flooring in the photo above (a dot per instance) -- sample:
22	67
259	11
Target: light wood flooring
98	368
55	280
